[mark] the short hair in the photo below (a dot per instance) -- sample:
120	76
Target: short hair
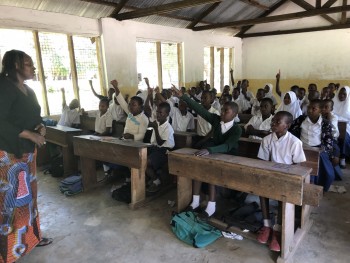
302	89
328	100
229	96
9	61
287	115
294	88
232	105
164	105
268	100
104	100
138	99
316	101
237	89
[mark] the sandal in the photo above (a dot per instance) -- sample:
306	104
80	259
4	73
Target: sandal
44	242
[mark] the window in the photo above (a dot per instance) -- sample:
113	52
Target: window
207	65
147	65
170	65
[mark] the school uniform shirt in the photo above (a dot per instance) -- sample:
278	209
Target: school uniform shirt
198	96
334	122
117	112
255	103
259	124
243	105
287	149
181	122
204	127
69	117
103	122
166	132
216	105
247	103
136	125
311	132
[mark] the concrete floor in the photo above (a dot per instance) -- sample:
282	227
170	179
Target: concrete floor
92	227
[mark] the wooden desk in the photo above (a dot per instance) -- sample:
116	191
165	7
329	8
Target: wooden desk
128	153
183	139
63	136
342	129
87	123
286	183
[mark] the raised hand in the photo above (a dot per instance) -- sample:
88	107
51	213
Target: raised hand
147	82
278	76
114	83
177	92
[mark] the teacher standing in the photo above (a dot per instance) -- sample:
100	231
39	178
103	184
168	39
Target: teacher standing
21	131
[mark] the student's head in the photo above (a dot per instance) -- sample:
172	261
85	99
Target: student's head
166	93
268	88
212	95
326	93
342	94
314	109
301	93
225	98
266	106
74	104
312	86
163	111
281	122
295	89
313	95
245	85
135	105
206	99
327	106
229	111
201	85
17	65
110	93
183	89
207	86
332	87
182	106
287	99
260	94
226	89
103	106
235	93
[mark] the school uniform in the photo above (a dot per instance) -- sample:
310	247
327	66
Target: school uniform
255	103
270	95
243	105
116	111
259	124
216	105
181	122
293	108
203	126
103	122
247	103
287	149
69	117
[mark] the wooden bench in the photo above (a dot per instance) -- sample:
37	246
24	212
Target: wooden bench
128	153
285	183
63	136
183	139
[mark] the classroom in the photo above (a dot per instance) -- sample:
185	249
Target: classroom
81	52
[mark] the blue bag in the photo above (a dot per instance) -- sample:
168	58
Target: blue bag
192	231
71	185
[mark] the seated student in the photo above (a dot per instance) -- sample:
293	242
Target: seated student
280	147
162	141
100	97
260	94
182	120
342	111
103	121
327	113
333	89
301	96
312	87
260	125
290	104
117	112
214	100
268	94
326	93
294	88
315	131
313	95
243	105
225	140
245	95
70	114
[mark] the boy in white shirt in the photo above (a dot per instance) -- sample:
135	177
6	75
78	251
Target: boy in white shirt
70	114
280	147
103	121
162	141
260	94
117	112
243	105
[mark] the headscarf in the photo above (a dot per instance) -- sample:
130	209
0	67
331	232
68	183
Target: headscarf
342	108
269	94
293	108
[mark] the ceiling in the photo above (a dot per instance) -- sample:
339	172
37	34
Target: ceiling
241	18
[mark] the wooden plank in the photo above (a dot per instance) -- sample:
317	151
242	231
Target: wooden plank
222	68
161	9
180	65
329	3
212	66
312	194
73	67
184	192
242	174
308	6
288	213
88	172
342	129
138	180
183	139
203	15
255	4
276	18
120	6
159	64
100	67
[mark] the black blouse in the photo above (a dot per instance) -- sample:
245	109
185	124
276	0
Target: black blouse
18	112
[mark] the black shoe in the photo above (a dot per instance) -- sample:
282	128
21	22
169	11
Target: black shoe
190	209
204	216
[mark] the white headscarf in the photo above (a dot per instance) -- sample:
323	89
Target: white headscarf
342	108
269	94
293	108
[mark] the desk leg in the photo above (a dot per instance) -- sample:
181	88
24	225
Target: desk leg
88	173
184	192
305	210
287	239
138	182
70	162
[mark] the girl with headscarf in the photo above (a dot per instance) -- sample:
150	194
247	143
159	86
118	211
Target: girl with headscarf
268	93
290	103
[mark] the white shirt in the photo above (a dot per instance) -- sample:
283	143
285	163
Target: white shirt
181	122
226	126
69	117
334	122
287	149
216	105
166	132
103	122
117	112
255	103
259	124
311	132
242	105
204	127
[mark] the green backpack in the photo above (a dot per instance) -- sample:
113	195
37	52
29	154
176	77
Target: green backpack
192	231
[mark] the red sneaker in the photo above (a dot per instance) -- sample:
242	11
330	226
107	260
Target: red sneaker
264	234
275	241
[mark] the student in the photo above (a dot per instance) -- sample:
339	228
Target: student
294	88
315	131
245	95
103	121
70	114
333	89
260	94
326	93
342	110
280	147
182	120
100	97
312	87
268	94
313	95
225	98
214	100
243	105
162	141
290	103
117	112
260	125
301	96
327	113
225	140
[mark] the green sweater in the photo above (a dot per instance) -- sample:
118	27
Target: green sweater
224	143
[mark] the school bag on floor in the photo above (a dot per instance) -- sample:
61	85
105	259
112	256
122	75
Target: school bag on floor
192	231
72	185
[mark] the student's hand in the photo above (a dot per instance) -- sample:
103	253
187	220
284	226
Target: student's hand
239	84
62	89
231	70
156	89
114	83
128	136
153	125
41	129
177	92
278	76
250	129
90	82
202	152
146	81
37	139
150	91
335	161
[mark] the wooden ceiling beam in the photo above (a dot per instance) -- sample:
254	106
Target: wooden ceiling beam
293	31
343	14
308	6
255	4
161	9
329	3
277	18
203	14
119	7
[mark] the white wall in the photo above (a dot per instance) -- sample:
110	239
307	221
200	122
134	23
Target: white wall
119	43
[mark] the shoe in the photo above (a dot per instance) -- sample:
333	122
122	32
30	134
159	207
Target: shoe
44	242
342	166
190	209
204	216
275	241
154	188
264	234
